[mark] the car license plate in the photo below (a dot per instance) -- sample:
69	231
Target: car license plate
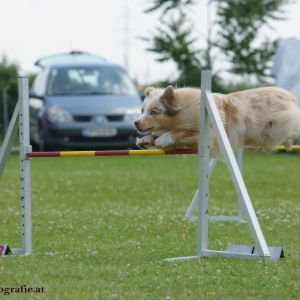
99	132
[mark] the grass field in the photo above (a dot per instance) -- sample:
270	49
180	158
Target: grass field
101	227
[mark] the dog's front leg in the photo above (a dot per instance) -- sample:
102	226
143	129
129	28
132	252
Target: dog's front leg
146	141
165	141
180	138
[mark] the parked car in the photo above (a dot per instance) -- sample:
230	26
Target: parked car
79	100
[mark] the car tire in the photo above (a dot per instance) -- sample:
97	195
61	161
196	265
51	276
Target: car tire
34	145
43	145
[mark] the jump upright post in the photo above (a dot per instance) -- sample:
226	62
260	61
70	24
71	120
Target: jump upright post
209	118
193	205
20	120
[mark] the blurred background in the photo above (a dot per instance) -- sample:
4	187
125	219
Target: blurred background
152	42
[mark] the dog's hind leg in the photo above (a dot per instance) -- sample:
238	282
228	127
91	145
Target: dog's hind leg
288	143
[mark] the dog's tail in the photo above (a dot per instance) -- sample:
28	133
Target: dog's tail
285	126
290	121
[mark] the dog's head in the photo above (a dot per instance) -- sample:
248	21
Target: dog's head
158	110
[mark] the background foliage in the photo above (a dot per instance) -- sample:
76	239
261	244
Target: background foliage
235	38
9	83
9	72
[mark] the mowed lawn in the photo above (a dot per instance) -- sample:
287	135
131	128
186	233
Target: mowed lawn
102	225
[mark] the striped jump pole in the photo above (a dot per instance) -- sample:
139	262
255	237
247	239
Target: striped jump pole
125	152
111	153
293	148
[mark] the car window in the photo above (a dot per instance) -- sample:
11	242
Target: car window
39	84
90	80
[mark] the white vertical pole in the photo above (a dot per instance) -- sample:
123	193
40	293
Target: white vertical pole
9	139
25	165
239	158
203	150
236	176
195	200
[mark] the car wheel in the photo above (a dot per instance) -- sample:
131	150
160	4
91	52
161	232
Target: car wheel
43	146
34	145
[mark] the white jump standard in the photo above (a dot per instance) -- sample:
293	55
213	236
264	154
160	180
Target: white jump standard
193	205
21	114
209	117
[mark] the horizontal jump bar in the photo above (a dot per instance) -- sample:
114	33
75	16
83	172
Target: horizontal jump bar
124	152
111	153
294	147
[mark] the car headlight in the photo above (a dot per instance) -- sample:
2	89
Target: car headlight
58	115
132	115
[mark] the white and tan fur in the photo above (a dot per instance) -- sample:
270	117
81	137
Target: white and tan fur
262	117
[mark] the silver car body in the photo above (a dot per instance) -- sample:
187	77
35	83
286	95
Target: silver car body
82	114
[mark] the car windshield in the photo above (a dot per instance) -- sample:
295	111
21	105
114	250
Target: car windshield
89	81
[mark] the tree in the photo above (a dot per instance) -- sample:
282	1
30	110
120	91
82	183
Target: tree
173	41
239	24
237	30
167	5
8	83
8	73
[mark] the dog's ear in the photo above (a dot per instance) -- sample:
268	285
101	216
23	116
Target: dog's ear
169	100
148	90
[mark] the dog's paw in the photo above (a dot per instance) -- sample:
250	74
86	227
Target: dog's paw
164	141
145	142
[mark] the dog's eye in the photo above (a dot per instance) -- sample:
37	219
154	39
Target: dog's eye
153	113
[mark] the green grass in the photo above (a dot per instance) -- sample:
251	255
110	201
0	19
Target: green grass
101	227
